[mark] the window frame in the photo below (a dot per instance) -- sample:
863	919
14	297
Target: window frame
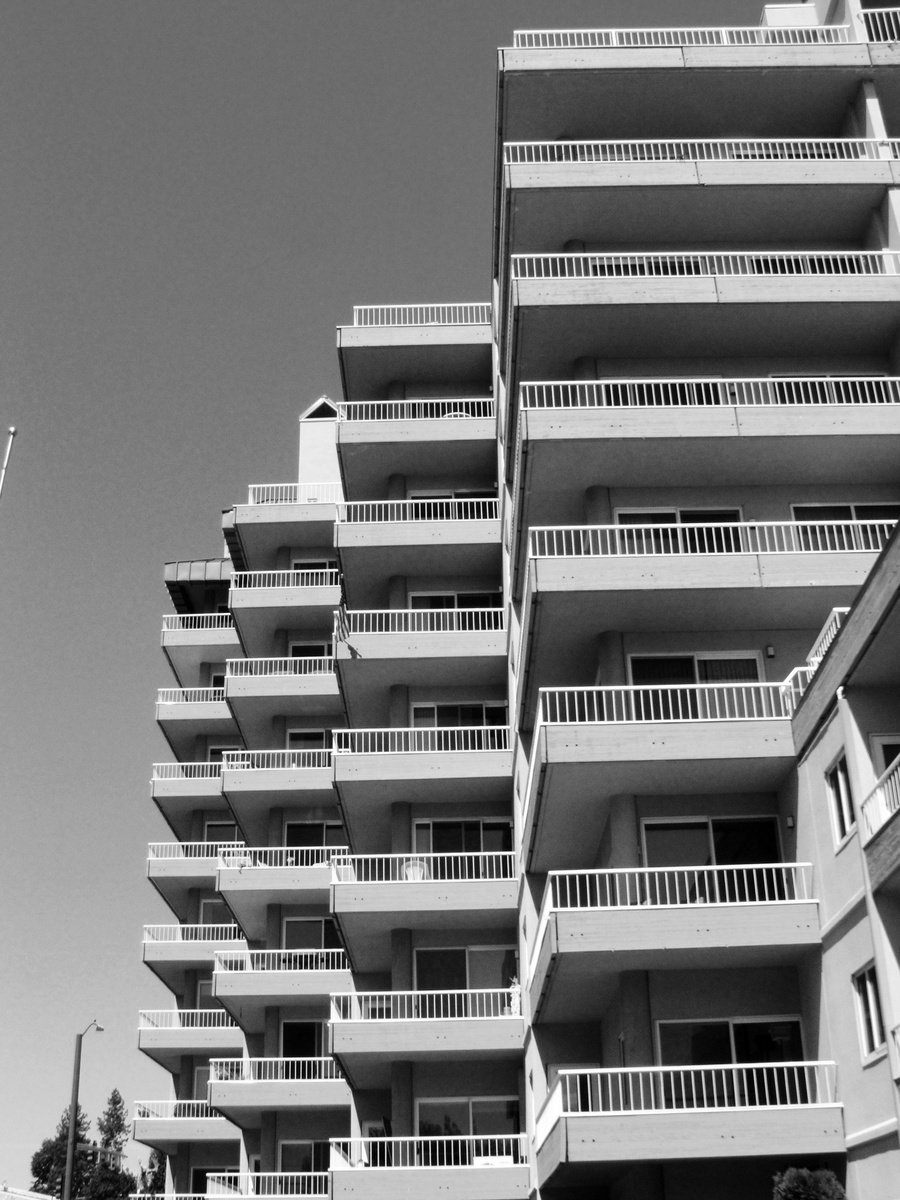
870	1021
841	805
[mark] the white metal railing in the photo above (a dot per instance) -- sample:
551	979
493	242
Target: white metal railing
422	314
191	850
752	35
267	1183
185	1018
737	537
882	24
423	409
186	770
178	622
417	868
276	760
265	668
204	695
255	580
729	1085
421	741
709	150
796	684
702	393
688	702
266	1070
426	1006
192	933
419	620
281	960
378	512
751	883
268	857
481	1151
191	1110
753	263
882	803
295	493
827	635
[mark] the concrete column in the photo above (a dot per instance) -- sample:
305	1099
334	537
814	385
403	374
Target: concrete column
402	1107
401	960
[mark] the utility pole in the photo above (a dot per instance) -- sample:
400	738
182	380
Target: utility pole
73	1107
9	443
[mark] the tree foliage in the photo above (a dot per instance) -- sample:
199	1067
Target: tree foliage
48	1163
799	1183
96	1174
113	1123
153	1176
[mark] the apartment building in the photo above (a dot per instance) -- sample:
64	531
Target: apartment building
534	796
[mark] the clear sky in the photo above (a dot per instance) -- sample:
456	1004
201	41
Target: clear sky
193	193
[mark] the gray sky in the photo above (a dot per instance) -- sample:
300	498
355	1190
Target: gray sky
193	195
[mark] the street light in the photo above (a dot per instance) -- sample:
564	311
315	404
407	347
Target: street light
73	1111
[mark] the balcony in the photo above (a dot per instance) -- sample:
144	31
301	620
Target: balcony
491	1168
184	714
763	431
258	690
383	538
373	894
372	1030
242	1089
880	829
749	304
450	647
167	1125
189	640
247	982
883	31
429	343
275	1185
179	789
170	951
591	744
263	602
276	515
596	924
450	436
375	768
179	869
256	780
251	879
167	1035
600	1118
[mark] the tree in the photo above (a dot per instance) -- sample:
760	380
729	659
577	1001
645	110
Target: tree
798	1183
96	1173
48	1164
153	1176
113	1123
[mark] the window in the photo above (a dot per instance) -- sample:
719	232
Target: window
219	832
885	751
314	833
828	529
838	781
696	536
433	600
309	933
310	650
303	1157
215	912
722	842
868	1011
478	1117
449	716
713	1043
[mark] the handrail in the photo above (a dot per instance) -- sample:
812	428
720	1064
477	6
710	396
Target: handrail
186	770
882	803
247	858
406	511
459	1005
280	960
179	622
602	1091
752	35
686	702
422	741
192	933
478	313
422	409
248	580
266	1070
276	760
373	1153
826	636
204	695
732	537
295	493
265	668
882	24
748	263
704	392
707	150
420	620
189	850
185	1018
417	868
167	1110
267	1183
668	887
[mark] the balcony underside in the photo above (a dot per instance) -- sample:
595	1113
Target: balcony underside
171	1135
371	451
247	994
262	529
373	357
576	770
257	702
367	1049
883	858
252	793
182	724
249	892
259	613
368	785
187	650
430	1183
582	954
169	1046
179	879
367	913
179	799
246	1102
171	962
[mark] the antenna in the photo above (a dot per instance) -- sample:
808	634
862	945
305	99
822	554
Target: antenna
12	434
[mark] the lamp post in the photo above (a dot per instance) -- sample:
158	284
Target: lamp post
73	1111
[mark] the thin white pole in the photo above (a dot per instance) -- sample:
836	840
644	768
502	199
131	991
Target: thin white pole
12	434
